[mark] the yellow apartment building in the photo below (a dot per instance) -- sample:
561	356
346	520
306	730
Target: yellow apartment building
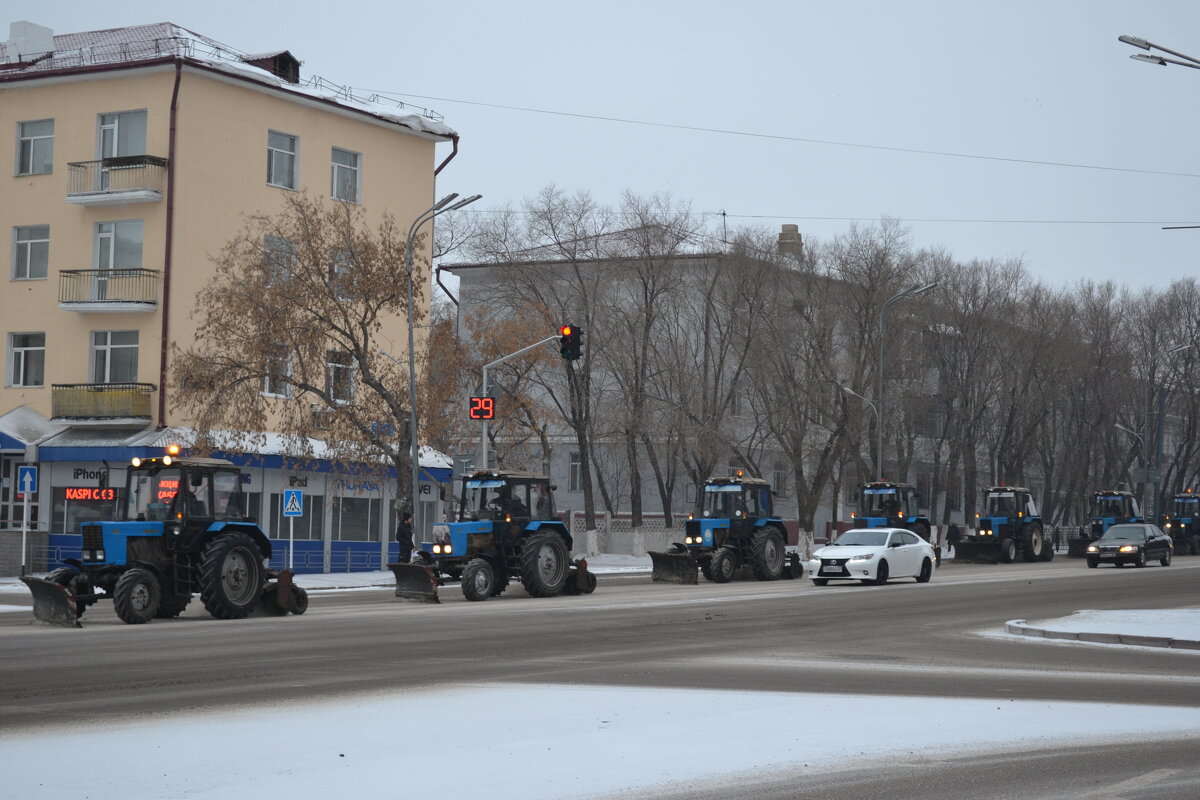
136	155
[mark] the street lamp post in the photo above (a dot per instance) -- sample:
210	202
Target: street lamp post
875	408
441	207
915	289
1150	58
1141	452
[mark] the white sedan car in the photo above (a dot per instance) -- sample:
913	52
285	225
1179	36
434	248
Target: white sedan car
873	555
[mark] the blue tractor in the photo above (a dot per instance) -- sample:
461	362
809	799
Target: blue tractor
1008	525
506	529
1106	508
884	504
181	529
737	527
1182	523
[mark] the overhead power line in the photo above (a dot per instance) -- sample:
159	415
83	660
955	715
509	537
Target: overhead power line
802	139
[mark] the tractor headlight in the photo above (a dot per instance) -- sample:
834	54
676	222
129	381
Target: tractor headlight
1128	548
437	549
1168	526
866	557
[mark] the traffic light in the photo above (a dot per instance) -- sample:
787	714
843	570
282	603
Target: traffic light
570	341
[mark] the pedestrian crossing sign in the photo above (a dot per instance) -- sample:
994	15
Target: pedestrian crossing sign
293	503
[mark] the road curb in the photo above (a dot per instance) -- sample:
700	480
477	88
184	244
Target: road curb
1020	627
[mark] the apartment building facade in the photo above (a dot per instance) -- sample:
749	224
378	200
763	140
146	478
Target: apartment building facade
137	153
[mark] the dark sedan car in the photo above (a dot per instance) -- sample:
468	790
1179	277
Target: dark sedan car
1131	543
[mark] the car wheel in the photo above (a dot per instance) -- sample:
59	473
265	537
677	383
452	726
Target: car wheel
1140	561
1166	559
881	574
820	581
926	571
1093	563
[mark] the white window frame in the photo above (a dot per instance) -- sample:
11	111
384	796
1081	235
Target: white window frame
574	471
274	154
18	360
107	347
25	247
133	122
336	169
33	148
332	370
279	363
109	232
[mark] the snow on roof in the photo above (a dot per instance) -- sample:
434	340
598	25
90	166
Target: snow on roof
91	49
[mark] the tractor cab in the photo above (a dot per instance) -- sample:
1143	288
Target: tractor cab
1006	505
508	496
1108	508
733	503
1185	508
883	504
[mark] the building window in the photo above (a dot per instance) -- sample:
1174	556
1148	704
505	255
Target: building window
114	356
278	369
28	359
281	159
344	175
118	245
279	260
341	275
32	258
122	134
780	480
35	151
339	376
575	473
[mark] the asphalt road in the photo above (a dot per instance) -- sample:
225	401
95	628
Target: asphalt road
780	636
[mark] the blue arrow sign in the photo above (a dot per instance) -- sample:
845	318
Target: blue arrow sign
27	479
293	503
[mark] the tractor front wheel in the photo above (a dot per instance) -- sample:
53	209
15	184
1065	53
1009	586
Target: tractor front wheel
231	576
136	596
723	565
1008	551
478	580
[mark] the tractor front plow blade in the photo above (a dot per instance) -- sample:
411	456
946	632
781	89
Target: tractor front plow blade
416	582
53	602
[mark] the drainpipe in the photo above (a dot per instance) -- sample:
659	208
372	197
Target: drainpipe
453	153
166	282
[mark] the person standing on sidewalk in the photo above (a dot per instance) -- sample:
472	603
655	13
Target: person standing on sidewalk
404	537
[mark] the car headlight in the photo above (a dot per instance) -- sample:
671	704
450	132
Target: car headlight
1092	548
866	557
1128	548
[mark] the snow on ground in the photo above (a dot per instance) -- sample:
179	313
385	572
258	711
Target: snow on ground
534	742
1177	623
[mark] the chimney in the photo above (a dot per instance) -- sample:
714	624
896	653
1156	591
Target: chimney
790	243
27	41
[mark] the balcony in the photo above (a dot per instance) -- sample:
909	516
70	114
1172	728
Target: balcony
108	290
117	180
101	402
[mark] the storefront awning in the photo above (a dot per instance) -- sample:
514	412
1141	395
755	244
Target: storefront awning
23	426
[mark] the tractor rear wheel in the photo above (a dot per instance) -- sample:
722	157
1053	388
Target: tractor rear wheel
544	562
766	554
1008	551
136	596
231	576
1032	543
723	565
478	580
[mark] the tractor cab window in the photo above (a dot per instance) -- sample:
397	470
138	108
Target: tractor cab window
151	492
880	502
194	497
1002	504
494	498
729	501
1187	506
228	499
1108	506
543	501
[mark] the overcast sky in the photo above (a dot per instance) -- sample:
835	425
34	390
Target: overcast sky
788	111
